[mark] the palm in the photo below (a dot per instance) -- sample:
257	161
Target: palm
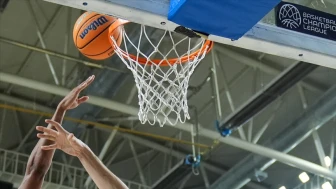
64	140
72	100
72	103
64	144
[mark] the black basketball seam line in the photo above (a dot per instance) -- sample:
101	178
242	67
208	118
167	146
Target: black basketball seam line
82	26
104	51
97	36
98	54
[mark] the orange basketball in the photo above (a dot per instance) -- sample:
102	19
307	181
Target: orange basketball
91	35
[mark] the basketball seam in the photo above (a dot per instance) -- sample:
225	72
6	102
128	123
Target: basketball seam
96	36
104	51
82	26
99	53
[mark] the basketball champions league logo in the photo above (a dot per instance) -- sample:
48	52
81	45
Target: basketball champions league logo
290	16
306	20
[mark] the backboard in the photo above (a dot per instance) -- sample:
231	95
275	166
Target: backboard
262	37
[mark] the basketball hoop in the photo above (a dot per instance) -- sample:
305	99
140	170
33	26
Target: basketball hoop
162	82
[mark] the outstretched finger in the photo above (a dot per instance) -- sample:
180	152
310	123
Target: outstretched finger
86	83
49	147
46	136
91	80
55	124
47	130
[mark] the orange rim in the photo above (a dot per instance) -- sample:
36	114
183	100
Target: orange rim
207	46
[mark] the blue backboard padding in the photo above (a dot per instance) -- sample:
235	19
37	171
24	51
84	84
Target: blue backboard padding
226	18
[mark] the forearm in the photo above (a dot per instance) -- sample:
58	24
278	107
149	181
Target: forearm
99	173
39	159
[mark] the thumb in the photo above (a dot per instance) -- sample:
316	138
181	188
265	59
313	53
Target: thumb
83	99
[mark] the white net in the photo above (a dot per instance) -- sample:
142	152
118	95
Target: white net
162	81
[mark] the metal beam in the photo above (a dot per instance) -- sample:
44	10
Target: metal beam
66	42
107	144
227	90
40	36
147	165
332	149
270	153
308	84
2	123
173	176
215	87
319	148
96	141
24	62
24	103
215	62
267	123
151	144
302	97
115	153
31	130
185	180
254	89
167	150
18	125
313	118
128	158
103	152
137	163
205	177
259	101
231	83
59	55
250	130
67	171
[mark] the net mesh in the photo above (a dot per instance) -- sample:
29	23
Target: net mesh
162	81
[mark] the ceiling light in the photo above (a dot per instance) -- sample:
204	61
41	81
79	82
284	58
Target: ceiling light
282	187
304	177
327	161
327	185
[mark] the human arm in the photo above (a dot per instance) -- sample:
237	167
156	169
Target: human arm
99	173
40	160
68	143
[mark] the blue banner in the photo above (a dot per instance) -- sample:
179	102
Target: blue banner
305	20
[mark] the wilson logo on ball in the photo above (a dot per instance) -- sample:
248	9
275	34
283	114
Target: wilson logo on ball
94	25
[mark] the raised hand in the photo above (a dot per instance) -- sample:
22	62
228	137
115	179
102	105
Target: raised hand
72	100
64	140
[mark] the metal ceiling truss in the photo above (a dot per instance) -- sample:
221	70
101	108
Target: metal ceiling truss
322	106
309	86
217	90
13	166
174	176
266	67
137	139
312	119
116	106
256	104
